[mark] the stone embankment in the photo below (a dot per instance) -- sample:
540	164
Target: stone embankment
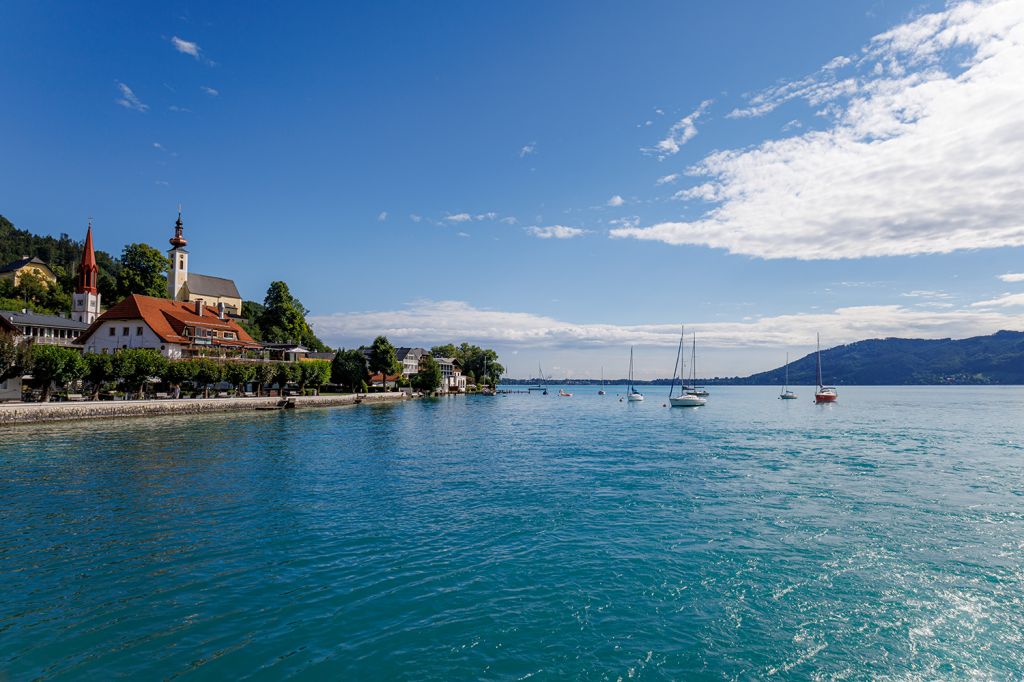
26	413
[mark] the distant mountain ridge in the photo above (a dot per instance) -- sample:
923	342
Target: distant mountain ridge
994	359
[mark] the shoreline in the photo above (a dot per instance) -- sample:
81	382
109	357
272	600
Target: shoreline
35	413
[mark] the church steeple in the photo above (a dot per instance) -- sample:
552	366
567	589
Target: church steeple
88	271
85	304
178	241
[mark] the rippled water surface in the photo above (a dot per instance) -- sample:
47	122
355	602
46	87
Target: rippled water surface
524	537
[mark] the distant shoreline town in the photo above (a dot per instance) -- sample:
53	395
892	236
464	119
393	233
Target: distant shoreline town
174	333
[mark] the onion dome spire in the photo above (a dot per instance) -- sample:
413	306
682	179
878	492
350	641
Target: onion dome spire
178	241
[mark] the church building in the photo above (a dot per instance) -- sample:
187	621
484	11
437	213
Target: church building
189	287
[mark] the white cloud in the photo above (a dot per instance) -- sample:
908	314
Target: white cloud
679	134
426	322
1004	301
920	159
1012	277
382	216
129	100
509	220
185	47
528	149
555	232
616	201
490	215
157	145
209	91
924	293
459	218
179	109
415	218
462	234
667	179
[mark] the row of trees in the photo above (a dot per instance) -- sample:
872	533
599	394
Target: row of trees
133	370
352	368
480	365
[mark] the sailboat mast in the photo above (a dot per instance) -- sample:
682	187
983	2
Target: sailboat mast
675	367
786	387
693	363
819	361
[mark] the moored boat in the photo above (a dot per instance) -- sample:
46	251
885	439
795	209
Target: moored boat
824	394
685	398
633	396
786	393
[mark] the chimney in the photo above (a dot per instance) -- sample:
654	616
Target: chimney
199	307
220	310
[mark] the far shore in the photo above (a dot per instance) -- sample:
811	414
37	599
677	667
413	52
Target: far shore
29	413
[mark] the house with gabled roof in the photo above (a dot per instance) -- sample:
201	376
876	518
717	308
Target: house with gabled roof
28	265
175	328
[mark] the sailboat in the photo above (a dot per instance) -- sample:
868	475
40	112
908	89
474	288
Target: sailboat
633	396
824	394
600	391
684	399
694	388
541	370
786	393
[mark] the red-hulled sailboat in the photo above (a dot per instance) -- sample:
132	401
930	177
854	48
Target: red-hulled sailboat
824	394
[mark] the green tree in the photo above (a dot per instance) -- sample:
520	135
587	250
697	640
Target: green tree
15	356
99	369
349	369
207	372
135	367
429	378
448	350
263	374
180	372
314	373
383	359
284	373
143	271
238	374
55	366
283	319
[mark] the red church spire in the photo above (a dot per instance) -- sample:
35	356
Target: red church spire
178	241
88	271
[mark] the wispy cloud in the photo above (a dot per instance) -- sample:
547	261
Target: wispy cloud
1012	277
415	218
615	201
555	232
178	109
128	99
186	47
212	92
667	179
842	192
509	220
1004	301
157	145
382	216
528	149
458	218
680	133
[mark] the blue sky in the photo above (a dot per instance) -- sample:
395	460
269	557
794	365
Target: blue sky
556	180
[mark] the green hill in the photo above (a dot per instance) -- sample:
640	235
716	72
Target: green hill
994	359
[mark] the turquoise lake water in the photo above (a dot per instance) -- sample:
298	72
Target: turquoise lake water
524	537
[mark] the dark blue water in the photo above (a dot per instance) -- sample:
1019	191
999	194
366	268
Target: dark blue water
524	537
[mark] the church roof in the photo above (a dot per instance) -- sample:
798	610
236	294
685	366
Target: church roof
22	262
168	320
211	286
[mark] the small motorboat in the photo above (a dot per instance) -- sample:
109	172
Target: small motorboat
563	394
600	391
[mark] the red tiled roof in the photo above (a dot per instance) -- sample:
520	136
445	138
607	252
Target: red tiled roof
168	320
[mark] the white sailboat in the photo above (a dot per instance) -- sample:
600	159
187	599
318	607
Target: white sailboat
824	394
786	393
694	389
684	399
600	391
634	396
